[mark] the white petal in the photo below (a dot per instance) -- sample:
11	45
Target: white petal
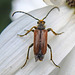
68	64
58	2
13	49
48	2
55	2
26	5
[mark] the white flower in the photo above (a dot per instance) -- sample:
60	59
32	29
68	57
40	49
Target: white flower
13	49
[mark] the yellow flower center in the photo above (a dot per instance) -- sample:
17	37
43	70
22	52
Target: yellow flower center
71	3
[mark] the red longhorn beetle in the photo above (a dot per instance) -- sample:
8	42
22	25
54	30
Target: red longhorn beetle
40	38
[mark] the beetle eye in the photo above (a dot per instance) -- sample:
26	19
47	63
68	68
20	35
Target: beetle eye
37	22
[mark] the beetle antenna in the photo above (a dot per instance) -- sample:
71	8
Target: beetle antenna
50	11
24	13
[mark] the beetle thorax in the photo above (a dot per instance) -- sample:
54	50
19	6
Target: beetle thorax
40	27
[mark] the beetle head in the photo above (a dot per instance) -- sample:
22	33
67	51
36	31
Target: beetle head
41	24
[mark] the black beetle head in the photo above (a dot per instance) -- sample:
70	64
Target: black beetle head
41	25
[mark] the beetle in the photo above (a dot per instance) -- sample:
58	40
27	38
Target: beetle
40	38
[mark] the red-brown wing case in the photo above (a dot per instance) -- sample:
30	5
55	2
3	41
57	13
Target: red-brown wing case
44	41
40	41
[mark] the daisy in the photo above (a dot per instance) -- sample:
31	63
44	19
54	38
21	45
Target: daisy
13	49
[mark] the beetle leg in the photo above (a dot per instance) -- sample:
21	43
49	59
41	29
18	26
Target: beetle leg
51	56
27	55
32	30
50	29
28	31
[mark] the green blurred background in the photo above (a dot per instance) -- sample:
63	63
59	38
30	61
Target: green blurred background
5	8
